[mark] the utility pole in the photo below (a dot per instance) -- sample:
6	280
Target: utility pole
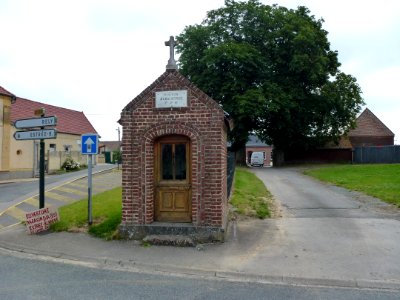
42	112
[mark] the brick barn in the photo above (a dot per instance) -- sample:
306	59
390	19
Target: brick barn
370	131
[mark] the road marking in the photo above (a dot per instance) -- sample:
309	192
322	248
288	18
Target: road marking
20	214
16	213
71	191
32	201
83	185
59	197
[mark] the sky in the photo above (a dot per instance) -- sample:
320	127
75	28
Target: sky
96	56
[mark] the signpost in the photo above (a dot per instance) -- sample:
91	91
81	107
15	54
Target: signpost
37	134
89	146
37	122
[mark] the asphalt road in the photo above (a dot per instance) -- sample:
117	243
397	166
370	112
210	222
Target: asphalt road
326	237
12	192
37	279
304	197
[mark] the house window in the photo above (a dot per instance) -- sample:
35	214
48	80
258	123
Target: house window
67	148
52	147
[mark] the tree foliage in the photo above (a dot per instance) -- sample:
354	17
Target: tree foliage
272	69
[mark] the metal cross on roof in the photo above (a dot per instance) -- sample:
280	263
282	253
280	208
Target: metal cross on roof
171	62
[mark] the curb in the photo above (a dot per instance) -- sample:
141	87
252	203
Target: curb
134	266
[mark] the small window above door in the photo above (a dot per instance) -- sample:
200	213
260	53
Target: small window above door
173	161
173	155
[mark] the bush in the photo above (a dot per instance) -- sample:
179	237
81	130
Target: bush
117	156
70	165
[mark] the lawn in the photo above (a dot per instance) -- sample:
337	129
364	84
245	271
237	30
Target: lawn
378	180
250	197
106	214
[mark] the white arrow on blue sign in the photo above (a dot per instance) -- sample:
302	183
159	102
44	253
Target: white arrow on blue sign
89	143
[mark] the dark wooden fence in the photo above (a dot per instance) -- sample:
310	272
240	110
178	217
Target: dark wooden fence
383	154
319	156
231	171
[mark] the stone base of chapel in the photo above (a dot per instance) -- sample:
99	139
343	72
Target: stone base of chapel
199	234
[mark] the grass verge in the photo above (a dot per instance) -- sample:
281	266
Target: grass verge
106	213
250	197
378	180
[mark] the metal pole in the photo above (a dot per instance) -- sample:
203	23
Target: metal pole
90	221
41	175
41	170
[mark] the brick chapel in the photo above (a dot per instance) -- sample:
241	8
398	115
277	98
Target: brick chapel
174	160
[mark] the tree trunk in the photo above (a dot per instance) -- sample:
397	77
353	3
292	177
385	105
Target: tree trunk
278	157
241	156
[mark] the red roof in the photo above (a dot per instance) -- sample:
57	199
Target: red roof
68	121
367	124
3	91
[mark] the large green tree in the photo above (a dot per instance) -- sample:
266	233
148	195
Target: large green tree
272	70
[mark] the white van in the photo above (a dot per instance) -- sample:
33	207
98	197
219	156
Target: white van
257	159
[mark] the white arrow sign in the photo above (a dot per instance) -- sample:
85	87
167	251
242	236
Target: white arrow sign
36	122
89	142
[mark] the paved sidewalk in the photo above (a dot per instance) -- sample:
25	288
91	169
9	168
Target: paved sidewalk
244	257
63	193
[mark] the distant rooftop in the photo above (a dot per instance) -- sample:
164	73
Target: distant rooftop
110	145
4	92
68	121
367	124
254	141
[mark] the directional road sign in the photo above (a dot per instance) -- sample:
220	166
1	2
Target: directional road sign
36	134
89	143
36	122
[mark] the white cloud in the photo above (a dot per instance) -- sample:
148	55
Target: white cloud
383	84
97	55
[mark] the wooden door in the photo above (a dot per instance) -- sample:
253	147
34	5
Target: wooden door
172	179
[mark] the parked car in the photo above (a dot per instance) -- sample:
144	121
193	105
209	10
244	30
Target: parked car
257	159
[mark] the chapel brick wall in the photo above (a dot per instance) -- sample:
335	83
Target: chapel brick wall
203	122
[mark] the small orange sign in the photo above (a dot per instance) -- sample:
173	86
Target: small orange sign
40	111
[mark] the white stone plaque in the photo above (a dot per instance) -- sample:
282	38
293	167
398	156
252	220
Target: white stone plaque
167	99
